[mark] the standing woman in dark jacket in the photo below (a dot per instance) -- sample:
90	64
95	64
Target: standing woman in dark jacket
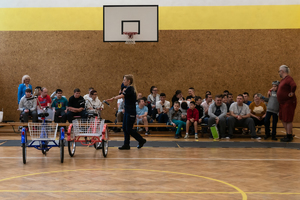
130	113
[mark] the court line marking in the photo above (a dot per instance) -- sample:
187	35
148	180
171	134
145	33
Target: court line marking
142	192
196	159
2	143
244	195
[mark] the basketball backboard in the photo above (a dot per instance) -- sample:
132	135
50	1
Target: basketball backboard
141	19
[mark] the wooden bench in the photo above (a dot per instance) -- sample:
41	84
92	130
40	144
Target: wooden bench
155	125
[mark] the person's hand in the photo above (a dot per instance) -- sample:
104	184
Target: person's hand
192	120
66	111
269	92
174	124
291	94
239	117
123	111
200	120
217	120
183	116
26	110
153	106
180	99
165	111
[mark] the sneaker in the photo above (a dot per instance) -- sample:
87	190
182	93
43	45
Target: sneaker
255	138
266	137
186	136
147	133
140	129
196	136
141	144
274	138
176	136
124	147
258	131
227	138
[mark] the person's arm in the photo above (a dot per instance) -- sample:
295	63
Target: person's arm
293	87
188	114
116	97
158	107
210	113
20	93
21	105
247	113
223	110
34	104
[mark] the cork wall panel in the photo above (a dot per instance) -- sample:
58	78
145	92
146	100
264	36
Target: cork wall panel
215	60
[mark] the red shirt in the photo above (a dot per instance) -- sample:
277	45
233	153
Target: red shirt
192	114
44	101
286	86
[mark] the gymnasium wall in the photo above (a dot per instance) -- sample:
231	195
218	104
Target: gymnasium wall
210	45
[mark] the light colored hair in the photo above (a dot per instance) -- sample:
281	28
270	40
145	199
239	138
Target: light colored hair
259	95
130	77
285	68
25	77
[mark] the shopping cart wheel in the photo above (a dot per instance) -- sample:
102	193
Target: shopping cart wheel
98	145
61	146
71	148
24	152
104	147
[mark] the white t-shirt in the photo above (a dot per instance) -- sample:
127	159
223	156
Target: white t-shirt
239	110
159	106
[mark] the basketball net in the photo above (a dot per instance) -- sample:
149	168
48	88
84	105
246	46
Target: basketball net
130	39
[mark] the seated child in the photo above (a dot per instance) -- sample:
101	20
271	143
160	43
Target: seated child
175	119
192	119
141	114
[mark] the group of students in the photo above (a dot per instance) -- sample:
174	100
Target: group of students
222	112
64	109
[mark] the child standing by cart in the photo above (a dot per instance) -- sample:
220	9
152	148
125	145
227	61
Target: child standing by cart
272	110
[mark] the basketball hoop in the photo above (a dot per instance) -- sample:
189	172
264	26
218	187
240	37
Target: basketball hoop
130	39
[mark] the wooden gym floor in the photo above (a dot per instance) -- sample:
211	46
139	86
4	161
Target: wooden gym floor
152	173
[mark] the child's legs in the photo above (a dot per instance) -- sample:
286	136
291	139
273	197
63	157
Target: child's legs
267	123
179	124
188	124
145	120
196	127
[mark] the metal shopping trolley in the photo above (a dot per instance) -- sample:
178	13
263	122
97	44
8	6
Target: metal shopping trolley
43	137
91	131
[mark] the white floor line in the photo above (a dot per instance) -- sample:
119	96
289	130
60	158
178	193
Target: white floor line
206	159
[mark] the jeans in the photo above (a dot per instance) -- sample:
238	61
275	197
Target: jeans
179	125
61	119
221	125
128	121
246	122
32	113
258	122
205	121
274	123
70	115
163	118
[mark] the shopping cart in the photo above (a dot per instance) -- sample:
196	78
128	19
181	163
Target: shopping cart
91	131
43	137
